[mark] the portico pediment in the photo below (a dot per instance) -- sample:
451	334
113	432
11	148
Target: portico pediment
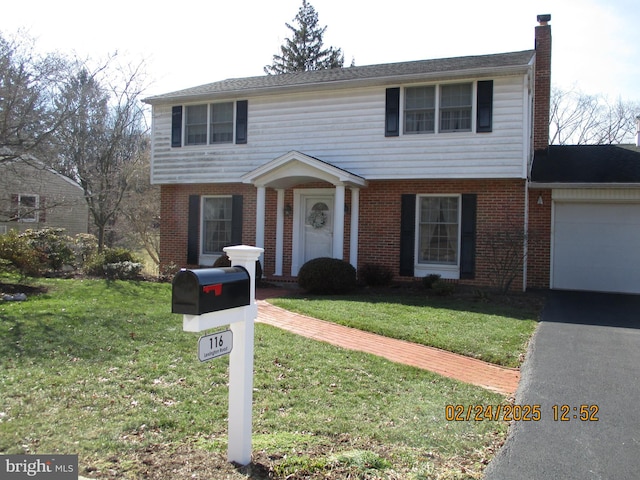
295	168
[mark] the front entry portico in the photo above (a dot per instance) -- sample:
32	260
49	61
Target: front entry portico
318	213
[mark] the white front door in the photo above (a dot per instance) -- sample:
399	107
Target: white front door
313	229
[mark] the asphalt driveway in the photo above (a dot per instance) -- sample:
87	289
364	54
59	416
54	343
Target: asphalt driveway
586	352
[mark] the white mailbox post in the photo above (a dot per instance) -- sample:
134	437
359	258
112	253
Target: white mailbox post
241	321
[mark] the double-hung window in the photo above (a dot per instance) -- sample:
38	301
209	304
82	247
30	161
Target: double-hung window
442	108
216	224
209	123
439	227
420	110
455	107
221	123
195	125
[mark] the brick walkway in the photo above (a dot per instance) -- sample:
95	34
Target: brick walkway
492	377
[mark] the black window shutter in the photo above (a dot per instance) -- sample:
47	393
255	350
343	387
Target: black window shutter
241	121
193	230
468	243
484	110
392	113
236	220
176	126
407	234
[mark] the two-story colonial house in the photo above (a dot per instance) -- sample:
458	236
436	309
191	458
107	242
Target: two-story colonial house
411	165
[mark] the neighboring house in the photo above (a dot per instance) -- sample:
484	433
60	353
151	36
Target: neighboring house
411	165
34	197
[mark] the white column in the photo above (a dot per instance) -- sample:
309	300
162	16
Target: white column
338	223
260	214
355	214
279	231
241	363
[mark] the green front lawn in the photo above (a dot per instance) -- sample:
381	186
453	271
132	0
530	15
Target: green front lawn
103	370
496	330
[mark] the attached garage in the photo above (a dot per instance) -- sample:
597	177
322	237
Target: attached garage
594	214
596	246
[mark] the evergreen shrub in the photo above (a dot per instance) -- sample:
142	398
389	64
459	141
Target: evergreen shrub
327	276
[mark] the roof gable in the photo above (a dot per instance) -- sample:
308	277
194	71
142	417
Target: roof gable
294	168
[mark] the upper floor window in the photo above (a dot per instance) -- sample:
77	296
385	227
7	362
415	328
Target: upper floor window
420	110
219	123
439	108
195	125
455	108
209	123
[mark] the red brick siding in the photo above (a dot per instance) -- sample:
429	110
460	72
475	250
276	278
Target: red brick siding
500	205
542	93
539	254
174	212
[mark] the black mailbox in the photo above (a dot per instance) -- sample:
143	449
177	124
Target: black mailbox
205	290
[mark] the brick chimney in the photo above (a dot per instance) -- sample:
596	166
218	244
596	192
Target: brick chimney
542	92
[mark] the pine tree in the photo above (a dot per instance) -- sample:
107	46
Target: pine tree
305	50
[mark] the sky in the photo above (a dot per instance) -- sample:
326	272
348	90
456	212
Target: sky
596	43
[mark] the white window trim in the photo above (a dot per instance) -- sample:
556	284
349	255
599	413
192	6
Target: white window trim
208	143
208	259
446	271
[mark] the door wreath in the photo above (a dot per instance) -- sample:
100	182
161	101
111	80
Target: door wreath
317	218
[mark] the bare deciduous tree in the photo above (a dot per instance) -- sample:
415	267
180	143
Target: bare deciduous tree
577	118
29	85
141	209
101	144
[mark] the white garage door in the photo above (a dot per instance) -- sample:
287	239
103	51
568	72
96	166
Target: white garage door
596	247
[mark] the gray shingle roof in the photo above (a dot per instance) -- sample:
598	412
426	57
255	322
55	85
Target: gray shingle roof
378	73
587	164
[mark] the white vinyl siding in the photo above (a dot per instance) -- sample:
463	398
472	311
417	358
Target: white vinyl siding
346	128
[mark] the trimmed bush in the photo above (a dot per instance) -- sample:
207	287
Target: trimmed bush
327	276
442	288
375	275
429	280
